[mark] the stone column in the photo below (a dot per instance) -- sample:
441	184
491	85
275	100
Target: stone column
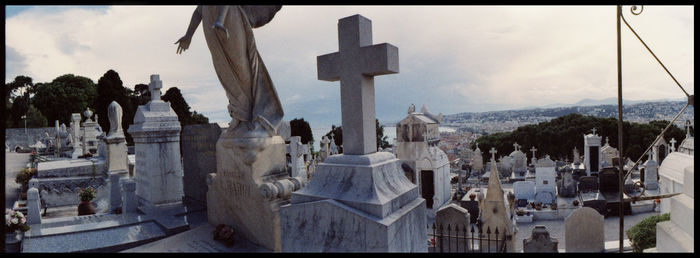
115	160
75	136
158	171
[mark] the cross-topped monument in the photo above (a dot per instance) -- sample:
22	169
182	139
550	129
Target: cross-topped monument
155	86
493	153
687	129
593	130
515	145
673	144
355	65
533	149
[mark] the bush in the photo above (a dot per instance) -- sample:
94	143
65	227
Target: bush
87	194
24	176
643	234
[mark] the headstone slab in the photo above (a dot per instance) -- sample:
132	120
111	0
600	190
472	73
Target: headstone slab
567	186
524	190
199	158
584	231
457	218
540	241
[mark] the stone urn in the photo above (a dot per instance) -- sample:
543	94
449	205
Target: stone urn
85	208
13	241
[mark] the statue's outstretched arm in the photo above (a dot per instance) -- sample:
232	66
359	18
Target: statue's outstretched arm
184	42
219	24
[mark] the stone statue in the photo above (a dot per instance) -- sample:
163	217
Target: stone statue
114	113
241	71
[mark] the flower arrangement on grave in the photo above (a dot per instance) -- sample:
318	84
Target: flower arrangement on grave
15	221
575	202
224	234
553	206
472	196
520	212
532	204
87	194
538	206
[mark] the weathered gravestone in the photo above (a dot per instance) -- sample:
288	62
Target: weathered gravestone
545	189
540	241
567	185
455	219
584	232
524	192
198	159
359	200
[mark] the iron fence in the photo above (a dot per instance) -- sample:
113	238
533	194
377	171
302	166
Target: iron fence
465	239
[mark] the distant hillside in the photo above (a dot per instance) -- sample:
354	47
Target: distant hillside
497	121
559	136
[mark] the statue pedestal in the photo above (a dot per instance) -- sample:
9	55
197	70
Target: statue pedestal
235	197
356	203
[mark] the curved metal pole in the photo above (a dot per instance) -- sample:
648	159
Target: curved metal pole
619	125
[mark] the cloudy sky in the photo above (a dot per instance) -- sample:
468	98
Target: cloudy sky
452	58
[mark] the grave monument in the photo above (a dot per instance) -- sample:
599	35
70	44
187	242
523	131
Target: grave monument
251	181
358	201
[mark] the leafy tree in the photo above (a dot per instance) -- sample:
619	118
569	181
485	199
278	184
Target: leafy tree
338	135
17	98
182	109
64	95
381	138
301	128
110	88
35	118
20	107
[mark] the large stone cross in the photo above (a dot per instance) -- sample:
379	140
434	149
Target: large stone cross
687	129
355	65
593	130
155	86
515	145
493	153
533	149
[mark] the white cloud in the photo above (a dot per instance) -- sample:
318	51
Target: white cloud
452	58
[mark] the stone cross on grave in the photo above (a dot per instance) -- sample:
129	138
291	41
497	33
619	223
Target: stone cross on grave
355	65
673	144
515	145
155	86
593	131
493	154
533	149
687	129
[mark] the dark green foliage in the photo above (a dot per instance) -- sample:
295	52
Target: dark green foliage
559	136
643	234
338	135
182	109
64	95
381	138
35	118
299	127
20	107
110	88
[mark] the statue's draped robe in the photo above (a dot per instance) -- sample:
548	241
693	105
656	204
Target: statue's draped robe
238	65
